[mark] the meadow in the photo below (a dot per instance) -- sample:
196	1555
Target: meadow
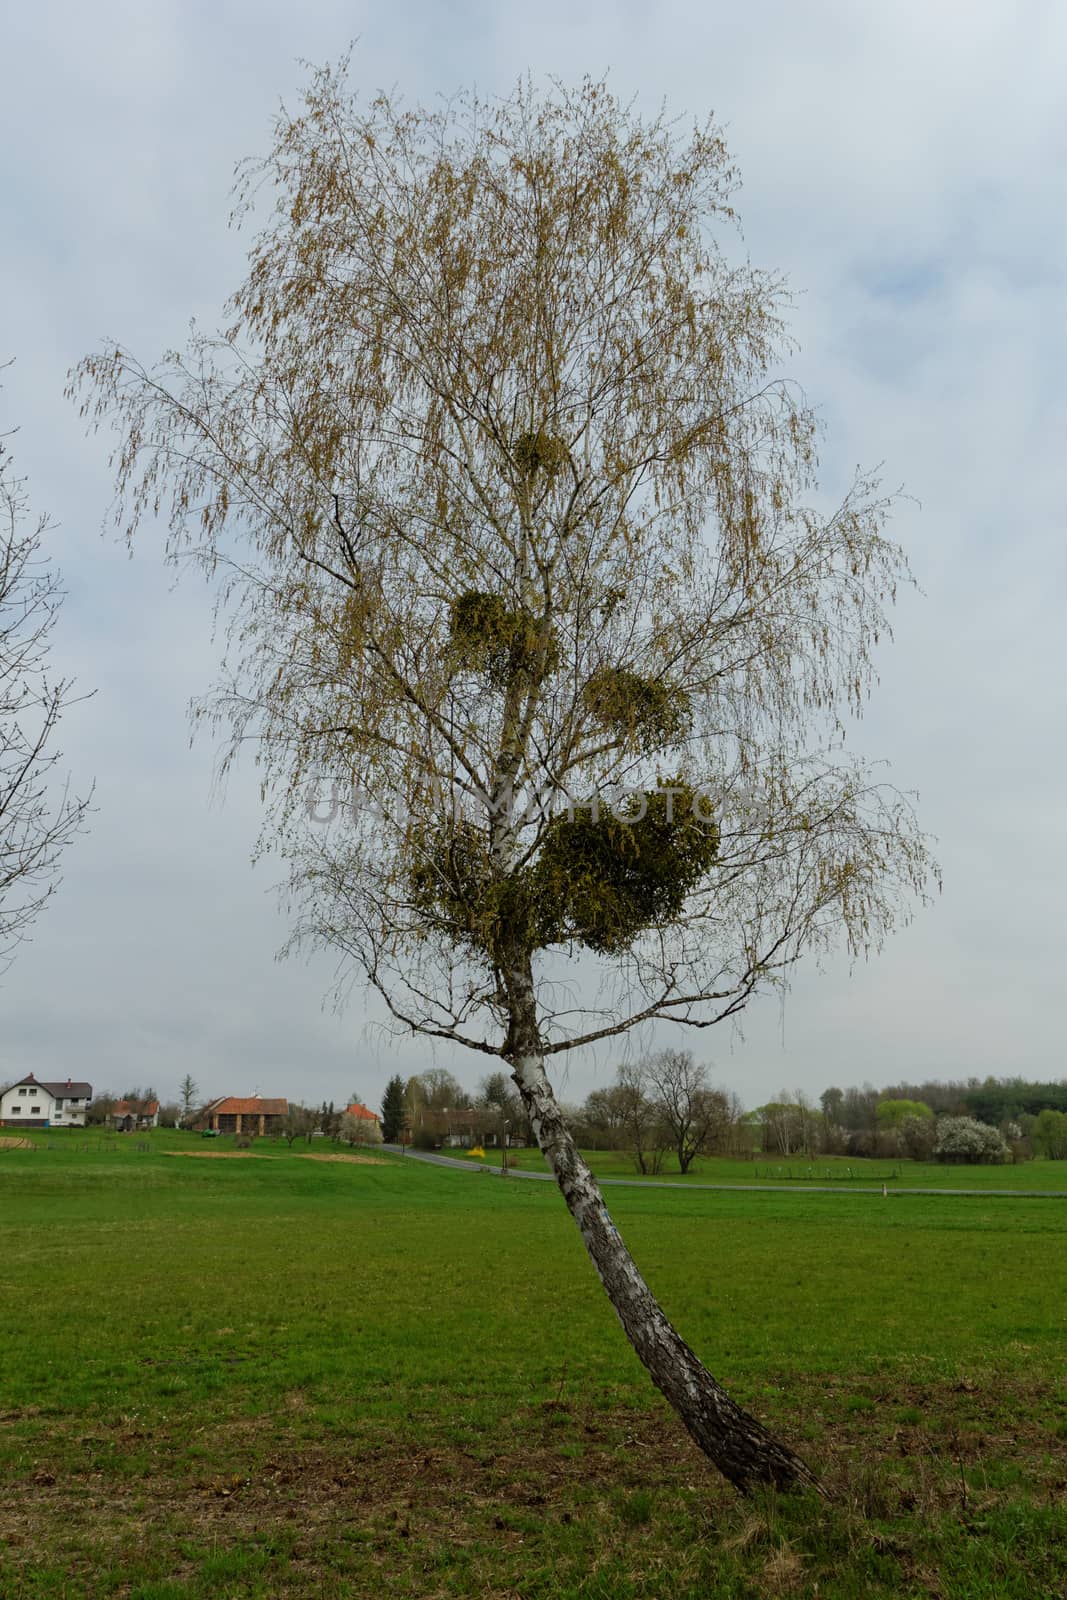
900	1176
272	1374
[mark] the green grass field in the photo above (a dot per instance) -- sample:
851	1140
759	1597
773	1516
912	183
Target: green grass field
275	1375
838	1171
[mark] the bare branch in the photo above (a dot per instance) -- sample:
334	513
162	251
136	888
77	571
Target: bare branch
38	814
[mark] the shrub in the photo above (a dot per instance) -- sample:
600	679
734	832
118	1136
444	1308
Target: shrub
1050	1135
965	1140
918	1137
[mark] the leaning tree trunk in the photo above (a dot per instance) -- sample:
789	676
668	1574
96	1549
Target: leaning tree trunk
740	1446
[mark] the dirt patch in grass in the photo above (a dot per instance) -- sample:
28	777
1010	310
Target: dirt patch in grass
216	1155
562	1484
550	1452
364	1161
237	1155
16	1144
258	1470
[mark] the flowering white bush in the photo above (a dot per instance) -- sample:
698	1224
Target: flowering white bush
917	1137
964	1139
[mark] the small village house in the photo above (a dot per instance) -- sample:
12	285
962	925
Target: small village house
369	1121
460	1127
35	1104
130	1116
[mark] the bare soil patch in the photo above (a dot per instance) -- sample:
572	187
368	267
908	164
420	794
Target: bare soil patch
216	1155
410	1492
237	1155
364	1161
262	1472
16	1144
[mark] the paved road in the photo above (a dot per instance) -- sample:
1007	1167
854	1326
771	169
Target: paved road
733	1188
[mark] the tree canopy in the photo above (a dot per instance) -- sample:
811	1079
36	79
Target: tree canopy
514	515
891	1113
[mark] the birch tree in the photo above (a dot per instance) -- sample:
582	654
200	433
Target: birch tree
38	813
533	592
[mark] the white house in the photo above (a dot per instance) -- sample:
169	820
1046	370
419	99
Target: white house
33	1104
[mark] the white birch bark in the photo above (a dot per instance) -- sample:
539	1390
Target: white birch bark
739	1445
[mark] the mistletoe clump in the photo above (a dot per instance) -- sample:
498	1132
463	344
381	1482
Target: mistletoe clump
458	890
604	877
452	879
488	636
540	452
647	712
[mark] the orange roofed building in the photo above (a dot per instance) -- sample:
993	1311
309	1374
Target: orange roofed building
250	1115
369	1120
128	1115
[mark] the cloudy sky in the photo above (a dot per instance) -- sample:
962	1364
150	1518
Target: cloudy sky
904	167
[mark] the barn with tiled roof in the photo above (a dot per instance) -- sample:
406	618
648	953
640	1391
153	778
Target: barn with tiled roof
250	1114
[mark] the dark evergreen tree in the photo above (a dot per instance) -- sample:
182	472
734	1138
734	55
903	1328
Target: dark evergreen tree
393	1110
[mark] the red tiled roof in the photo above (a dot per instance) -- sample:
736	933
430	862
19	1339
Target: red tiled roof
251	1106
135	1108
360	1111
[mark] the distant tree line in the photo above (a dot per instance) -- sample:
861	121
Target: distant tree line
660	1105
924	1120
991	1100
663	1105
